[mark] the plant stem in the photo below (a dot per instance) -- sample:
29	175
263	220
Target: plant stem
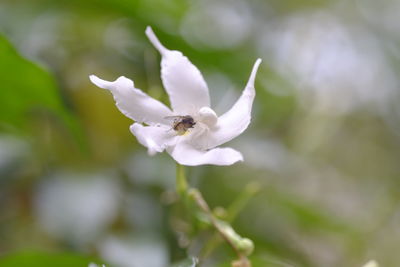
181	183
184	192
202	204
233	210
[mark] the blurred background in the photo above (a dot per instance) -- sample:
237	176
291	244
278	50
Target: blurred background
323	146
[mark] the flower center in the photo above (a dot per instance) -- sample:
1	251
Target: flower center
204	119
182	124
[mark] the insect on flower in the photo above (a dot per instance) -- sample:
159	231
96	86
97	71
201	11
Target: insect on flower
197	130
181	124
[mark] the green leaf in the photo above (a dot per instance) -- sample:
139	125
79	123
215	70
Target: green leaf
28	92
44	259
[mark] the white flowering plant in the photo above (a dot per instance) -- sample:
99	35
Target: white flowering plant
190	130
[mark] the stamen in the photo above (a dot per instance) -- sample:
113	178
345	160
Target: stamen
208	116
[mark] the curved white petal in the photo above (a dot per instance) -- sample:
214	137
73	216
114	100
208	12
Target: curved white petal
156	139
235	121
183	82
132	102
185	154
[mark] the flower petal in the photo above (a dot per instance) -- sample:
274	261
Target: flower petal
235	121
184	153
187	90
134	103
156	139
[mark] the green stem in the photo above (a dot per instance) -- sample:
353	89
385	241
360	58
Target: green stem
224	229
202	204
233	210
181	183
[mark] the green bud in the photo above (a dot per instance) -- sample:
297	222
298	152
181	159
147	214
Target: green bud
246	246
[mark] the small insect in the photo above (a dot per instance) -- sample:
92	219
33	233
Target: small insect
182	123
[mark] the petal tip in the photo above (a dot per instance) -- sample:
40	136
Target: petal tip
239	157
254	72
154	40
149	31
257	64
234	157
93	78
98	82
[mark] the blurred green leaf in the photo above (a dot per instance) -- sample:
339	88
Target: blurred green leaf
28	91
309	216
43	259
25	87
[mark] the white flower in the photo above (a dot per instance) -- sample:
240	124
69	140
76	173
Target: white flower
191	141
